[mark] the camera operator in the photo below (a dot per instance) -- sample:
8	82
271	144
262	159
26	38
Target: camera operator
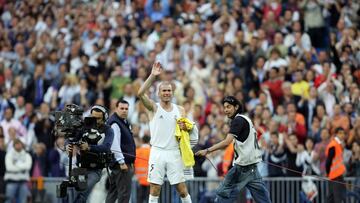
122	170
89	151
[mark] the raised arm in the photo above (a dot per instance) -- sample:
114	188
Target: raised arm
148	103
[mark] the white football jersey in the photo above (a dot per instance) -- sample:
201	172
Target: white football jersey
162	128
247	152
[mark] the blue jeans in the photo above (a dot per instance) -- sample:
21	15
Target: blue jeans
239	177
93	176
16	191
303	198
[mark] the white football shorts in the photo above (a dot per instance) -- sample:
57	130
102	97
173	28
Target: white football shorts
165	162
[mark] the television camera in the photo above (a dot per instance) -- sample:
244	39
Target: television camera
76	130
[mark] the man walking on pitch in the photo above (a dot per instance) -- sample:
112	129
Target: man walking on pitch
165	157
247	154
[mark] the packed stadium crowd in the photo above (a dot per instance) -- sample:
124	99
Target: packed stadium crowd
293	63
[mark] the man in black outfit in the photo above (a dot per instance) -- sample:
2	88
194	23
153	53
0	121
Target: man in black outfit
247	154
123	168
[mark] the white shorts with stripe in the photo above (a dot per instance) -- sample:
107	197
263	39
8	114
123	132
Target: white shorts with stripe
165	162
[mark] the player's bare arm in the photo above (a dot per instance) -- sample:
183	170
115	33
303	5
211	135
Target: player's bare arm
183	115
221	145
148	103
182	111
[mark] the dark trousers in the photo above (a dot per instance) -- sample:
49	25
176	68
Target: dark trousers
120	185
93	177
2	186
337	191
142	195
239	177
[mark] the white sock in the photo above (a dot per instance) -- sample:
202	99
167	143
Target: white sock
153	199
186	199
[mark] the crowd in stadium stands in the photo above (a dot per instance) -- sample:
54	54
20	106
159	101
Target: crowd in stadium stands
294	63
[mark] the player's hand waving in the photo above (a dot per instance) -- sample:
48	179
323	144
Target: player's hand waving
156	69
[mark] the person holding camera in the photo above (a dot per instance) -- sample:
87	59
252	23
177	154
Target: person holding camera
91	150
123	147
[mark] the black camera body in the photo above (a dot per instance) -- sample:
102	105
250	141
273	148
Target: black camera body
77	179
76	130
70	122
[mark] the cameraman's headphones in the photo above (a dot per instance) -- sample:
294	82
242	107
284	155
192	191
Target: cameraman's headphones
102	109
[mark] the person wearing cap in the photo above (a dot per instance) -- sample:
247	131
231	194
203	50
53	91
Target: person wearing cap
247	154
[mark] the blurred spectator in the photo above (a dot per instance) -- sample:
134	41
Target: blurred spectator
68	90
227	26
292	148
12	138
39	160
320	150
306	159
275	60
277	155
300	87
10	122
327	94
354	135
306	106
353	167
157	10
339	120
273	84
296	123
18	164
85	97
57	158
117	82
37	86
314	21
130	97
44	126
143	124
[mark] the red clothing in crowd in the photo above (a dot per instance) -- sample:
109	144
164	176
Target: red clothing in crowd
275	90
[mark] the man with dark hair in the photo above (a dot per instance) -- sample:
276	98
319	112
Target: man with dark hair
247	154
91	148
123	147
335	167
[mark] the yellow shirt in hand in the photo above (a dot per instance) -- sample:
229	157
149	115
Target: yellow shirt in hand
183	137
